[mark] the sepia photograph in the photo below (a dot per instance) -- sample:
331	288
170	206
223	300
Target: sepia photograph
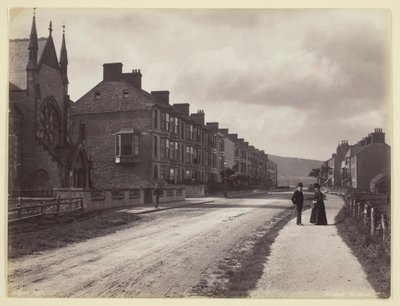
198	153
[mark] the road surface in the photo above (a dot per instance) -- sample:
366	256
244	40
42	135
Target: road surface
164	255
227	248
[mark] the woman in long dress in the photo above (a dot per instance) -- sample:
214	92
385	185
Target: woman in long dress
318	213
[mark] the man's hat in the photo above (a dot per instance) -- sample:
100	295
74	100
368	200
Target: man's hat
300	185
316	185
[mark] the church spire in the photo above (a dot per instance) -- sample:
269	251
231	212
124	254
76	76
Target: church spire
33	45
63	54
50	28
64	59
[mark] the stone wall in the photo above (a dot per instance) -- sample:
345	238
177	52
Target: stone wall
98	199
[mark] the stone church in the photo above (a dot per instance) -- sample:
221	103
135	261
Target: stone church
41	153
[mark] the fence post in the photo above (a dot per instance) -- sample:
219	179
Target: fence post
42	207
355	209
365	215
20	208
358	211
383	227
372	222
58	204
351	207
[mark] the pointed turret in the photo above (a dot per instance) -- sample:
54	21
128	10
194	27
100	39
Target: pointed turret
33	46
64	60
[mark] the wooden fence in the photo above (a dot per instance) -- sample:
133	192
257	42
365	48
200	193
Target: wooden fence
372	211
27	208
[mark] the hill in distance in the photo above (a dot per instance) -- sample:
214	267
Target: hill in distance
292	170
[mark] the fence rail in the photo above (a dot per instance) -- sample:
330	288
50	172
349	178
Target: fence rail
27	208
372	211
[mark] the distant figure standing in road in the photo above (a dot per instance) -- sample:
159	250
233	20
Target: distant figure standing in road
318	213
298	199
157	192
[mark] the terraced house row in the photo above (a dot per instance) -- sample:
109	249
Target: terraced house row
136	139
117	141
362	167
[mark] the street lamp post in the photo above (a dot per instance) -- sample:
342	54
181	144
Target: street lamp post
225	189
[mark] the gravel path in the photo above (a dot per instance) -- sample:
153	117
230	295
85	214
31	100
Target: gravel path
313	262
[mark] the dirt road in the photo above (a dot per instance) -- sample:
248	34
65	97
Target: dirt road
163	255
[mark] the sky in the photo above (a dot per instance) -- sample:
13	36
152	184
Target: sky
290	82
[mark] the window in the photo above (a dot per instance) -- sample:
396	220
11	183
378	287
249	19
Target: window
171	124
196	156
176	155
182	153
155	118
162	145
163	121
175	125
127	144
82	131
189	132
97	95
182	130
221	145
172	150
125	93
127	147
49	130
167	123
172	175
155	174
189	154
155	147
167	148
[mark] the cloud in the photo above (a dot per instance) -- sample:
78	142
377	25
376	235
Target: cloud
273	76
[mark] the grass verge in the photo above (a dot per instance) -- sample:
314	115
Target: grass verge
237	274
370	252
31	236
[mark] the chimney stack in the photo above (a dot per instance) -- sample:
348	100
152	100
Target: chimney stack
112	72
134	78
213	125
162	96
224	131
233	136
183	108
378	136
198	117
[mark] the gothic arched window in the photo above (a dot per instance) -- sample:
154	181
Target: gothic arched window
49	125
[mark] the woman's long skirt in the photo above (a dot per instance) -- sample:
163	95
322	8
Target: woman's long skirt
318	215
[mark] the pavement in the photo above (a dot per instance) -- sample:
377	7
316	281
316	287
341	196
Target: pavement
149	208
312	261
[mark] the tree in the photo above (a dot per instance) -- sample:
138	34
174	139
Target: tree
316	172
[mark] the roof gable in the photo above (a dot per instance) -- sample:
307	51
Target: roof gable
112	99
49	55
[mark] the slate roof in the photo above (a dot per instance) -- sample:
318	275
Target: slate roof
19	55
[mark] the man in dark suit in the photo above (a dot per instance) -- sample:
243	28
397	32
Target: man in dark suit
297	199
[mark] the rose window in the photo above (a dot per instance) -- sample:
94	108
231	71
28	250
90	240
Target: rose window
49	129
